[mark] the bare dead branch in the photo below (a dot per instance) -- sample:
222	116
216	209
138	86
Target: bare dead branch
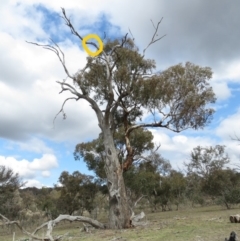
119	45
236	138
60	218
104	37
73	30
52	223
69	88
131	34
57	50
62	110
153	40
157	147
153	24
93	104
138	200
8	222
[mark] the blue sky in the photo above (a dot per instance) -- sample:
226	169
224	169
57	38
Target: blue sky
29	95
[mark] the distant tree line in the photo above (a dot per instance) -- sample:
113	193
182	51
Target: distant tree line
151	182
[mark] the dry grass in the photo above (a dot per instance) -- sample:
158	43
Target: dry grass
198	224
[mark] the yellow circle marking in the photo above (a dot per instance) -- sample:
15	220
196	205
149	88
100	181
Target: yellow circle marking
94	36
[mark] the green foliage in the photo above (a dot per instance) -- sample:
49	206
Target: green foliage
224	185
10	203
183	90
50	207
232	196
194	187
77	192
177	98
149	179
205	160
93	153
206	175
28	200
178	186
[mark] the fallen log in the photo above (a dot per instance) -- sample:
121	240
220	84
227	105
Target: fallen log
50	224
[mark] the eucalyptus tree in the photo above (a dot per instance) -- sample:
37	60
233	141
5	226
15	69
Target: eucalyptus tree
205	160
120	80
77	192
223	184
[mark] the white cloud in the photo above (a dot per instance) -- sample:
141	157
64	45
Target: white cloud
229	71
46	173
228	130
33	183
180	139
31	109
162	139
19	20
21	167
48	161
33	145
177	149
29	169
229	127
221	90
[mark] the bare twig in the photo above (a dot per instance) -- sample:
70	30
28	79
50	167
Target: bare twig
62	110
57	50
157	147
119	46
8	222
154	35
73	30
131	34
236	138
104	37
138	200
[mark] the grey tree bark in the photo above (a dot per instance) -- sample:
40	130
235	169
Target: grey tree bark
119	211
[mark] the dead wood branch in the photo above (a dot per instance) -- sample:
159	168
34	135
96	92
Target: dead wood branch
57	50
138	217
73	30
62	110
8	222
60	218
153	40
50	224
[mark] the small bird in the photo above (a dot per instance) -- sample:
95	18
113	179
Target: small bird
233	237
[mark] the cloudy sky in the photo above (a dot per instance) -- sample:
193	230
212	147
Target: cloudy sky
206	33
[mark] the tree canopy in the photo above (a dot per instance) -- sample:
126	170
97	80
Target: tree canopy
10	182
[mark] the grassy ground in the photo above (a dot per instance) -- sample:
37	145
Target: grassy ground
198	224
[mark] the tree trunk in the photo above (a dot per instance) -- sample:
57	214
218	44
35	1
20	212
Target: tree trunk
177	204
119	210
226	204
